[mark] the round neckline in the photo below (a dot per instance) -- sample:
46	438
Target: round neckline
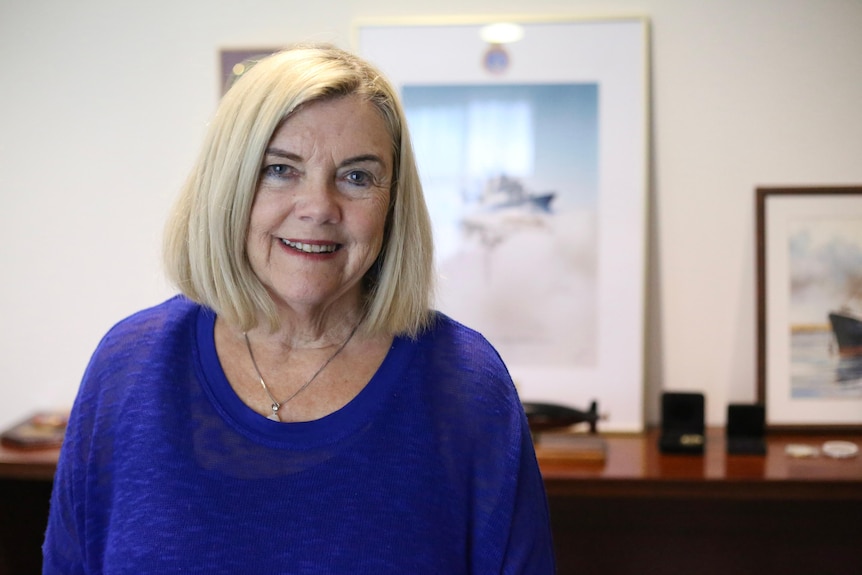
356	414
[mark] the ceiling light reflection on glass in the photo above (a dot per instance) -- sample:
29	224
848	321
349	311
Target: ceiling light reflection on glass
501	33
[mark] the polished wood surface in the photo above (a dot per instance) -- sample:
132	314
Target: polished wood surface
634	467
37	464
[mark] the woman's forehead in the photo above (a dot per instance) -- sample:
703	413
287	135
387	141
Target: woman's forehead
347	125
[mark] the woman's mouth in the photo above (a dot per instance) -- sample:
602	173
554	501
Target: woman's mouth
306	248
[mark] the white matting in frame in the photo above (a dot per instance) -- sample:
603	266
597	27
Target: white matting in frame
533	156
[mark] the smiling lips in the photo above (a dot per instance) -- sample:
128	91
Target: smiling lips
311	248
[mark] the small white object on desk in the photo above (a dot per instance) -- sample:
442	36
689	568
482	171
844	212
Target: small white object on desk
840	449
801	450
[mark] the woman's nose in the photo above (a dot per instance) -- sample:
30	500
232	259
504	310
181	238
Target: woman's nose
317	201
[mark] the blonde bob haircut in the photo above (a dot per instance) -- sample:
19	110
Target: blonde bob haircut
205	241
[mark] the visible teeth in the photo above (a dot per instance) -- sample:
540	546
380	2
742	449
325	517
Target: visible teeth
311	248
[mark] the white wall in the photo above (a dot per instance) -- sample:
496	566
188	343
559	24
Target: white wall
103	105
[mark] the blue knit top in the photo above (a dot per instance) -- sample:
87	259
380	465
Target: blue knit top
429	469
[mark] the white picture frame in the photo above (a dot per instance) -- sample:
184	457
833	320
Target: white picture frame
611	55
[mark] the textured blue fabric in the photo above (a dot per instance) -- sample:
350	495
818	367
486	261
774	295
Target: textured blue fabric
430	469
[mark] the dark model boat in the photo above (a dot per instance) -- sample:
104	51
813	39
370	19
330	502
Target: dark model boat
847	328
545	416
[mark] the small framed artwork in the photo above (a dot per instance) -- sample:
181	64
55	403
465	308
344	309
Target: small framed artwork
531	140
233	63
809	288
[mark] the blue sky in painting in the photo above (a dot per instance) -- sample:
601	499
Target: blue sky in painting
544	134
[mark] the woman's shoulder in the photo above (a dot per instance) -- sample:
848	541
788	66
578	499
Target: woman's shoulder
444	325
457	353
164	322
174	311
449	335
464	379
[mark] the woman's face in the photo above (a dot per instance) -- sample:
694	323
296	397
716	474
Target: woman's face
319	212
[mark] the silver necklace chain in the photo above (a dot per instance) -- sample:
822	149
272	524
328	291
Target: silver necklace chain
276	405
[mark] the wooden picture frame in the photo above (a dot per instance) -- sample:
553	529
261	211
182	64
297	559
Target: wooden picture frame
809	274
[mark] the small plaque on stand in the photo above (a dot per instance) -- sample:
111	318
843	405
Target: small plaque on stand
39	431
568	447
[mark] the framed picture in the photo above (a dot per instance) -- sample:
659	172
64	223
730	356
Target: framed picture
233	62
532	150
809	286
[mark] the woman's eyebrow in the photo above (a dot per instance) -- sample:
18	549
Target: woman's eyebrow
363	158
282	154
347	162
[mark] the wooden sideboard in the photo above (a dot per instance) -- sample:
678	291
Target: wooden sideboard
25	490
635	512
643	512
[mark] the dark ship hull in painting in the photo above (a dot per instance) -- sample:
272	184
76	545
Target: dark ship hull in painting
847	328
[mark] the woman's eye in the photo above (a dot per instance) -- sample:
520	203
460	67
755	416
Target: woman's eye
359	178
279	171
275	170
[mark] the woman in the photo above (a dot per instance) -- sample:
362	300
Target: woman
299	409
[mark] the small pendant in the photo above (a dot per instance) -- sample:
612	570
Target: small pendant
274	415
